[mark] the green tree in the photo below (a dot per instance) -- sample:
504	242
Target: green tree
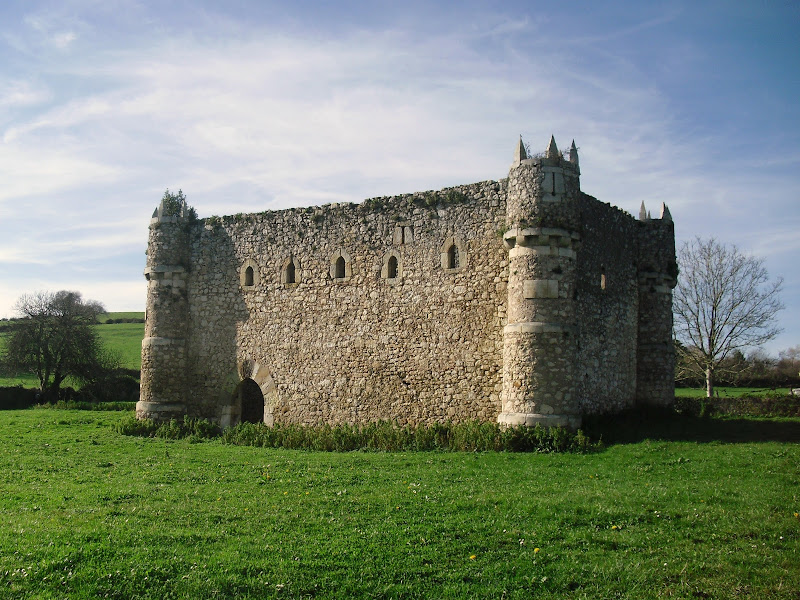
724	303
175	205
55	338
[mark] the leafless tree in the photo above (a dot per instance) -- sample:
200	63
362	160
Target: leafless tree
724	302
789	362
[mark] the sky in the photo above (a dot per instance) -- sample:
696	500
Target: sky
251	105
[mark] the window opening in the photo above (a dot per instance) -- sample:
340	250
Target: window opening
290	272
248	276
340	272
602	279
391	270
452	257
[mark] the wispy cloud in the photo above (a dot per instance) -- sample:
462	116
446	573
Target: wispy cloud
21	93
41	172
55	30
252	115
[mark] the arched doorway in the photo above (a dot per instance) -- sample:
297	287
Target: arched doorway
251	401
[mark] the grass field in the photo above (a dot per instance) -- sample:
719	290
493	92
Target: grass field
123	338
731	392
120	315
87	513
126	340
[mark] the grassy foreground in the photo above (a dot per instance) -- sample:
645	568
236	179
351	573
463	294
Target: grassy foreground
87	513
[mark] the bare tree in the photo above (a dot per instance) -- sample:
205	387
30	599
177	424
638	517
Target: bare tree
724	302
55	338
789	363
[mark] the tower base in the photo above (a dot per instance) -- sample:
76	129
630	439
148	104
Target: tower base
160	411
533	419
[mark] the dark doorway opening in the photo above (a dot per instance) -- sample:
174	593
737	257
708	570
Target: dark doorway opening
252	402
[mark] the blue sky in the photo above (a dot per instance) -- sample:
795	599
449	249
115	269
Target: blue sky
253	105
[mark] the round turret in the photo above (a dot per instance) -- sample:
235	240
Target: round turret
540	338
161	395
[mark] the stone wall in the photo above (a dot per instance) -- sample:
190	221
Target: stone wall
424	346
657	276
607	307
521	300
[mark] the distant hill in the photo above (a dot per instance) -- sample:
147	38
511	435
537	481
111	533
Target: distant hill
124	337
121	317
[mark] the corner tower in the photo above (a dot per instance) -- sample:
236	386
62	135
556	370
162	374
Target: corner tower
657	276
540	340
163	384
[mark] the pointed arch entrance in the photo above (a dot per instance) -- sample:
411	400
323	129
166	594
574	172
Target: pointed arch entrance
254	396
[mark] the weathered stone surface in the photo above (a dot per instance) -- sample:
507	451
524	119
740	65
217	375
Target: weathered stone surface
521	300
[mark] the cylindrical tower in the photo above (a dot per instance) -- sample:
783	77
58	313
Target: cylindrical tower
540	339
163	377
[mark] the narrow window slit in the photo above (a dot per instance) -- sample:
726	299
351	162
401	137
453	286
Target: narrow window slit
452	257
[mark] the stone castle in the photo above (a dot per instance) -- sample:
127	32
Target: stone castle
522	301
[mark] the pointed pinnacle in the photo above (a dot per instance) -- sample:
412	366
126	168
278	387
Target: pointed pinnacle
665	214
519	152
552	149
643	212
573	154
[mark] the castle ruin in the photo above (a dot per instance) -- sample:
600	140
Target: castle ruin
521	301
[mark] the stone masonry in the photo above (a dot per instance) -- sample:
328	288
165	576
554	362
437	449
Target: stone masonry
522	300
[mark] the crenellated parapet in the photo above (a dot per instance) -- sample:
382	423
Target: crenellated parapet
543	189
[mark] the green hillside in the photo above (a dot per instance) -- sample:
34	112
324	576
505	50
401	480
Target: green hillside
125	339
103	318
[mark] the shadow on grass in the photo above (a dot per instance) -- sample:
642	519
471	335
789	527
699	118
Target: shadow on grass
661	424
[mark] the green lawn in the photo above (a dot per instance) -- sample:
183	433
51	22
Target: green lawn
87	513
731	392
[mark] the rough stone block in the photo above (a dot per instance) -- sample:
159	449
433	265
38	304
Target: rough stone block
540	288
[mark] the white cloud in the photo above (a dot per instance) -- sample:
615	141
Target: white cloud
54	29
64	39
28	171
20	93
